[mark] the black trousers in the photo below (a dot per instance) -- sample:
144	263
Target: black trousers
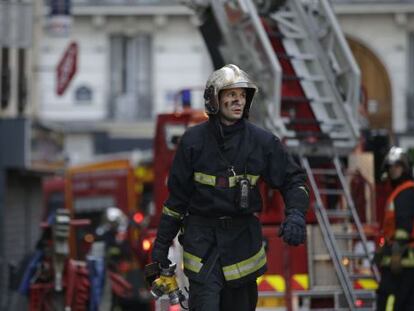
396	291
214	295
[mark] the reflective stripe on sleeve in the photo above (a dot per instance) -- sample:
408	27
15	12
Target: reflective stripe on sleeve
245	267
406	261
304	189
390	303
170	212
192	262
401	234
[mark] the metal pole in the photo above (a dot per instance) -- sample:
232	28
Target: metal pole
287	261
3	265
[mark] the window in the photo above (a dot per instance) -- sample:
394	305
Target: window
130	78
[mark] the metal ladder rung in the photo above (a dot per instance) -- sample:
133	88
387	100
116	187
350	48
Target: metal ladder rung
315	78
331	191
301	121
338	213
339	135
295	99
361	276
284	14
365	294
303	57
294	36
322	100
345	236
355	255
286	78
324	171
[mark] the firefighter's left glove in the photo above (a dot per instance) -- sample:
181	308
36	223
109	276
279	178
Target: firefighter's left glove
293	228
160	254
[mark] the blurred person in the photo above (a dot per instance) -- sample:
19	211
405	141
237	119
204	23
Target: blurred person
214	195
396	257
120	283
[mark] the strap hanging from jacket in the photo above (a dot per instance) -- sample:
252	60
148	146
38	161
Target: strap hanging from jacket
389	219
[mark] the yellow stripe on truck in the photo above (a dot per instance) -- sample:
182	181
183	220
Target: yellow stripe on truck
276	281
302	280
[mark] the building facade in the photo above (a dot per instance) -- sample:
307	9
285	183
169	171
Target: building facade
133	60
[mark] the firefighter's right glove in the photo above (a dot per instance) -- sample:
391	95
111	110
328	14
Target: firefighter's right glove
293	228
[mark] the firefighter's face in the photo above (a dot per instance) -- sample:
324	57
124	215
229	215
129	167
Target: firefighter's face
231	105
395	171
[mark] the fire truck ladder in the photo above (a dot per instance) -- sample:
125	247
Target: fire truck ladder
341	230
325	68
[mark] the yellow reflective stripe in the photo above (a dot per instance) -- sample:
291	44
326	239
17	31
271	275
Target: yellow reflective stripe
192	262
170	212
390	303
210	180
113	251
205	179
245	267
406	262
401	234
253	179
304	189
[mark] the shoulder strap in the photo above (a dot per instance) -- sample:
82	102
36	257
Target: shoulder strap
405	185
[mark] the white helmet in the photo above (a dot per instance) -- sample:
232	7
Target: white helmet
114	218
396	155
227	77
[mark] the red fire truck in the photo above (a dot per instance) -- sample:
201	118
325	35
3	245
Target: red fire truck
83	194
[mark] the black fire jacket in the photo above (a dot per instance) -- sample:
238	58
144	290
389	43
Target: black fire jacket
203	185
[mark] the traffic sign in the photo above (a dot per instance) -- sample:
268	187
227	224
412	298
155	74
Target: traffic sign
66	68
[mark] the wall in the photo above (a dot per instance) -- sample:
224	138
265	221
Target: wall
388	41
180	60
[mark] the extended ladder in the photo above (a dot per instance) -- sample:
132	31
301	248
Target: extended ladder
328	74
341	229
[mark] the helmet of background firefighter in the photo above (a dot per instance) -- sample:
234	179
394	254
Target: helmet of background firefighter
113	219
397	156
228	77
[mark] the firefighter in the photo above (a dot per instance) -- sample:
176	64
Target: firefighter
214	195
396	260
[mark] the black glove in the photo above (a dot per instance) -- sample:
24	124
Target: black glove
293	228
160	254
